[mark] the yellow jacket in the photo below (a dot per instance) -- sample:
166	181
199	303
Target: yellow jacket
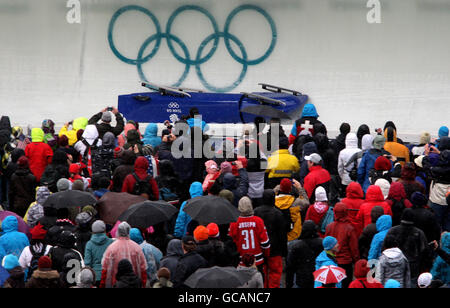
284	202
395	148
78	123
281	164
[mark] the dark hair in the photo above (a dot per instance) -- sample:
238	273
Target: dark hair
63	141
248	259
390	242
284	143
193	112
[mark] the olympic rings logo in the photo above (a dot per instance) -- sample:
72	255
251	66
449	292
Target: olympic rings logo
173	105
171	39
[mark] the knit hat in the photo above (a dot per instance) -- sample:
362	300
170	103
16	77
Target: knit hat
10	261
163	272
424	280
321	194
118	151
201	233
382	164
213	230
314	157
385	187
443	131
63	184
226	167
227	194
285	186
124	229
329	242
188	240
425	138
245	206
407	217
392	284
78	185
23	162
38	232
44	262
378	142
98	226
106	117
418	199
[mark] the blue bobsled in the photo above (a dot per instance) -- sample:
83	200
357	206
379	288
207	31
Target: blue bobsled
166	103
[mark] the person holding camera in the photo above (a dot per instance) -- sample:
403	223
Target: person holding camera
105	126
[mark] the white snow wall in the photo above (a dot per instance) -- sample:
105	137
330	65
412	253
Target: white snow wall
352	70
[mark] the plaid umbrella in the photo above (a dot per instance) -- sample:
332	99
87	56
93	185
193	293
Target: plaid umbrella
329	274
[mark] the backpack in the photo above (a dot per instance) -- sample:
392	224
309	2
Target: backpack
167	195
287	217
143	187
35	259
374	175
326	219
353	173
88	154
50	177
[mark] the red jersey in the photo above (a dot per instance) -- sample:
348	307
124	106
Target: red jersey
250	236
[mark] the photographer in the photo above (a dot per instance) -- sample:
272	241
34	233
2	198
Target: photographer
105	116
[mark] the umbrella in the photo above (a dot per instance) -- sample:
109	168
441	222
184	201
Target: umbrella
112	204
218	277
69	198
265	111
329	274
211	209
148	213
22	226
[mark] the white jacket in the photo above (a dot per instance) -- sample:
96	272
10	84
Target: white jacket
351	147
26	255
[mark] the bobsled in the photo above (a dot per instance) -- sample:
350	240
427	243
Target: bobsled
169	103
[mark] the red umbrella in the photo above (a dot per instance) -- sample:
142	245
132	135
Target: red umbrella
329	274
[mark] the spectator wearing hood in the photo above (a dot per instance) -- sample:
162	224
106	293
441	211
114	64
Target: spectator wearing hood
134	141
374	197
78	124
361	281
90	139
363	130
48	126
398	201
424	218
351	148
36	209
103	156
385	186
281	164
327	257
441	269
183	219
126	167
65	244
238	188
308	118
418	150
22	188
393	264
277	230
151	135
213	173
105	125
365	239
44	276
329	156
319	208
12	241
384	224
20	140
354	199
302	253
174	252
442	132
140	170
12	164
413	243
395	148
339	143
16	279
38	153
345	233
96	247
123	137
408	179
123	248
125	276
83	230
59	168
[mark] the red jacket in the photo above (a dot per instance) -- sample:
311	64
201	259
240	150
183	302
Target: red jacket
397	192
316	212
342	230
354	199
140	168
361	271
39	155
316	176
374	197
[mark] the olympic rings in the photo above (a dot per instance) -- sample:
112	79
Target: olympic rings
199	59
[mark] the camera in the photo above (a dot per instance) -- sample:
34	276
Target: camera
109	109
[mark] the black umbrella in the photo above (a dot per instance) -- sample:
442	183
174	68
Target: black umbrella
218	277
148	213
70	198
209	208
265	111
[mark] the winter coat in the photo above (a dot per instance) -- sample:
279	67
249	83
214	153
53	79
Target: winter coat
44	279
16	279
316	212
36	210
103	156
361	282
329	156
239	189
301	258
343	231
354	199
174	252
425	220
12	241
94	250
281	164
124	169
152	254
22	190
316	176
106	127
441	269
351	147
366	164
183	218
374	197
256	280
58	253
122	138
187	265
367	234
308	149
78	123
212	173
140	168
39	153
122	248
325	259
307	120
151	135
393	265
288	202
128	281
384	223
93	138
397	193
392	146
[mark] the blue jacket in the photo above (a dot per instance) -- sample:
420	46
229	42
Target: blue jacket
384	223
183	219
367	163
12	241
324	260
441	270
152	254
93	253
151	135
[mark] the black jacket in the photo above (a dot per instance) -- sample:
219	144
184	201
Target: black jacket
127	281
425	220
102	128
22	190
186	266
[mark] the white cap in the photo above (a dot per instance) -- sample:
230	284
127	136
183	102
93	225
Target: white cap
314	157
424	280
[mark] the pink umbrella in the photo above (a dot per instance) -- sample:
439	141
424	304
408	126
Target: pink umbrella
329	274
23	227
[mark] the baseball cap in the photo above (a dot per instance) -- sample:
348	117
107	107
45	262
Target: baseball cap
314	157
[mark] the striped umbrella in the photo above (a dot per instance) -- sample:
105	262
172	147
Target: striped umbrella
329	274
